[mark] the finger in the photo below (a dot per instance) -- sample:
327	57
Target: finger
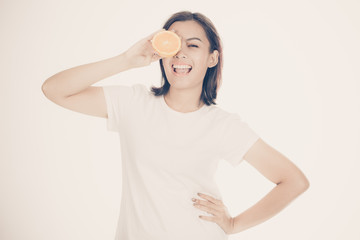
211	199
209	204
207	218
209	210
172	30
150	37
155	57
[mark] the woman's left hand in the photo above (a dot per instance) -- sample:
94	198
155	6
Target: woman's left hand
219	211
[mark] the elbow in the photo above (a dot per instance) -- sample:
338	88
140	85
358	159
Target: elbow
306	184
52	90
300	184
43	88
47	90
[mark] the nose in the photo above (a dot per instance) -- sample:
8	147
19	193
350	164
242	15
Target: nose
180	54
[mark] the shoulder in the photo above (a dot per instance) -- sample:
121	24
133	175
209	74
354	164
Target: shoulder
136	90
222	115
137	87
140	87
125	93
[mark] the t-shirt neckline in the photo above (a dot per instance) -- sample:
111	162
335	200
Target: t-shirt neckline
169	109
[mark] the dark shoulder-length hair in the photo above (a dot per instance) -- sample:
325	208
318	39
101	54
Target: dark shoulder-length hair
212	79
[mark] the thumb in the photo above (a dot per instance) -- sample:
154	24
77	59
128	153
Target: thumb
150	37
155	57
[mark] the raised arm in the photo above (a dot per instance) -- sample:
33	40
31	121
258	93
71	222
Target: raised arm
72	88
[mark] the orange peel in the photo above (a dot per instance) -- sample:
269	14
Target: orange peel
166	43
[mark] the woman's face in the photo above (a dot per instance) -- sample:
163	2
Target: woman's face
188	67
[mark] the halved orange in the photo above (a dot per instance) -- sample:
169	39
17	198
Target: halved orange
166	43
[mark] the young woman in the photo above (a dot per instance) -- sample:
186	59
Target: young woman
173	137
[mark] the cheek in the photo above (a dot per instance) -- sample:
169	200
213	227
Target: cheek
202	64
202	59
165	62
166	65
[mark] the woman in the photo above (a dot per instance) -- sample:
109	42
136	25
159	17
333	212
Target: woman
173	137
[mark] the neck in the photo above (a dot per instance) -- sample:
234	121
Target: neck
184	100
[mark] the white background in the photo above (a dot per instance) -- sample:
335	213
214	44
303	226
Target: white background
291	70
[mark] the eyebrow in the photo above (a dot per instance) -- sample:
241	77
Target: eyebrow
193	38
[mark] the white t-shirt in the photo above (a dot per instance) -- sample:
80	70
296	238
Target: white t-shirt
167	158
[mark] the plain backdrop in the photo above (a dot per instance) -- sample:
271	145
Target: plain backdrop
291	70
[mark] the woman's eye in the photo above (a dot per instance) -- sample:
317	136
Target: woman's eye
193	45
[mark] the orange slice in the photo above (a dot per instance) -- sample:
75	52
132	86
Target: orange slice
166	43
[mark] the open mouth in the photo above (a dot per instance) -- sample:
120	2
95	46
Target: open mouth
181	69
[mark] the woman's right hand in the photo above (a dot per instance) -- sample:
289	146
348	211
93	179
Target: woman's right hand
142	53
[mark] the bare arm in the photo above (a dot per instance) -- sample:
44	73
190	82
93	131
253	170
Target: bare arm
72	88
290	183
77	79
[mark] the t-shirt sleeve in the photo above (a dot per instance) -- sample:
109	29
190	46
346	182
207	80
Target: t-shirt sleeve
118	99
238	137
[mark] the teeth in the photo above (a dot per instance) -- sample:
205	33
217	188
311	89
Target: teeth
181	66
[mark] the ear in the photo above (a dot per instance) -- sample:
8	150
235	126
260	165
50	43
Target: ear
214	59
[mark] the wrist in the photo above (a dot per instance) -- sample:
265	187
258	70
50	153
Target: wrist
123	62
237	224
